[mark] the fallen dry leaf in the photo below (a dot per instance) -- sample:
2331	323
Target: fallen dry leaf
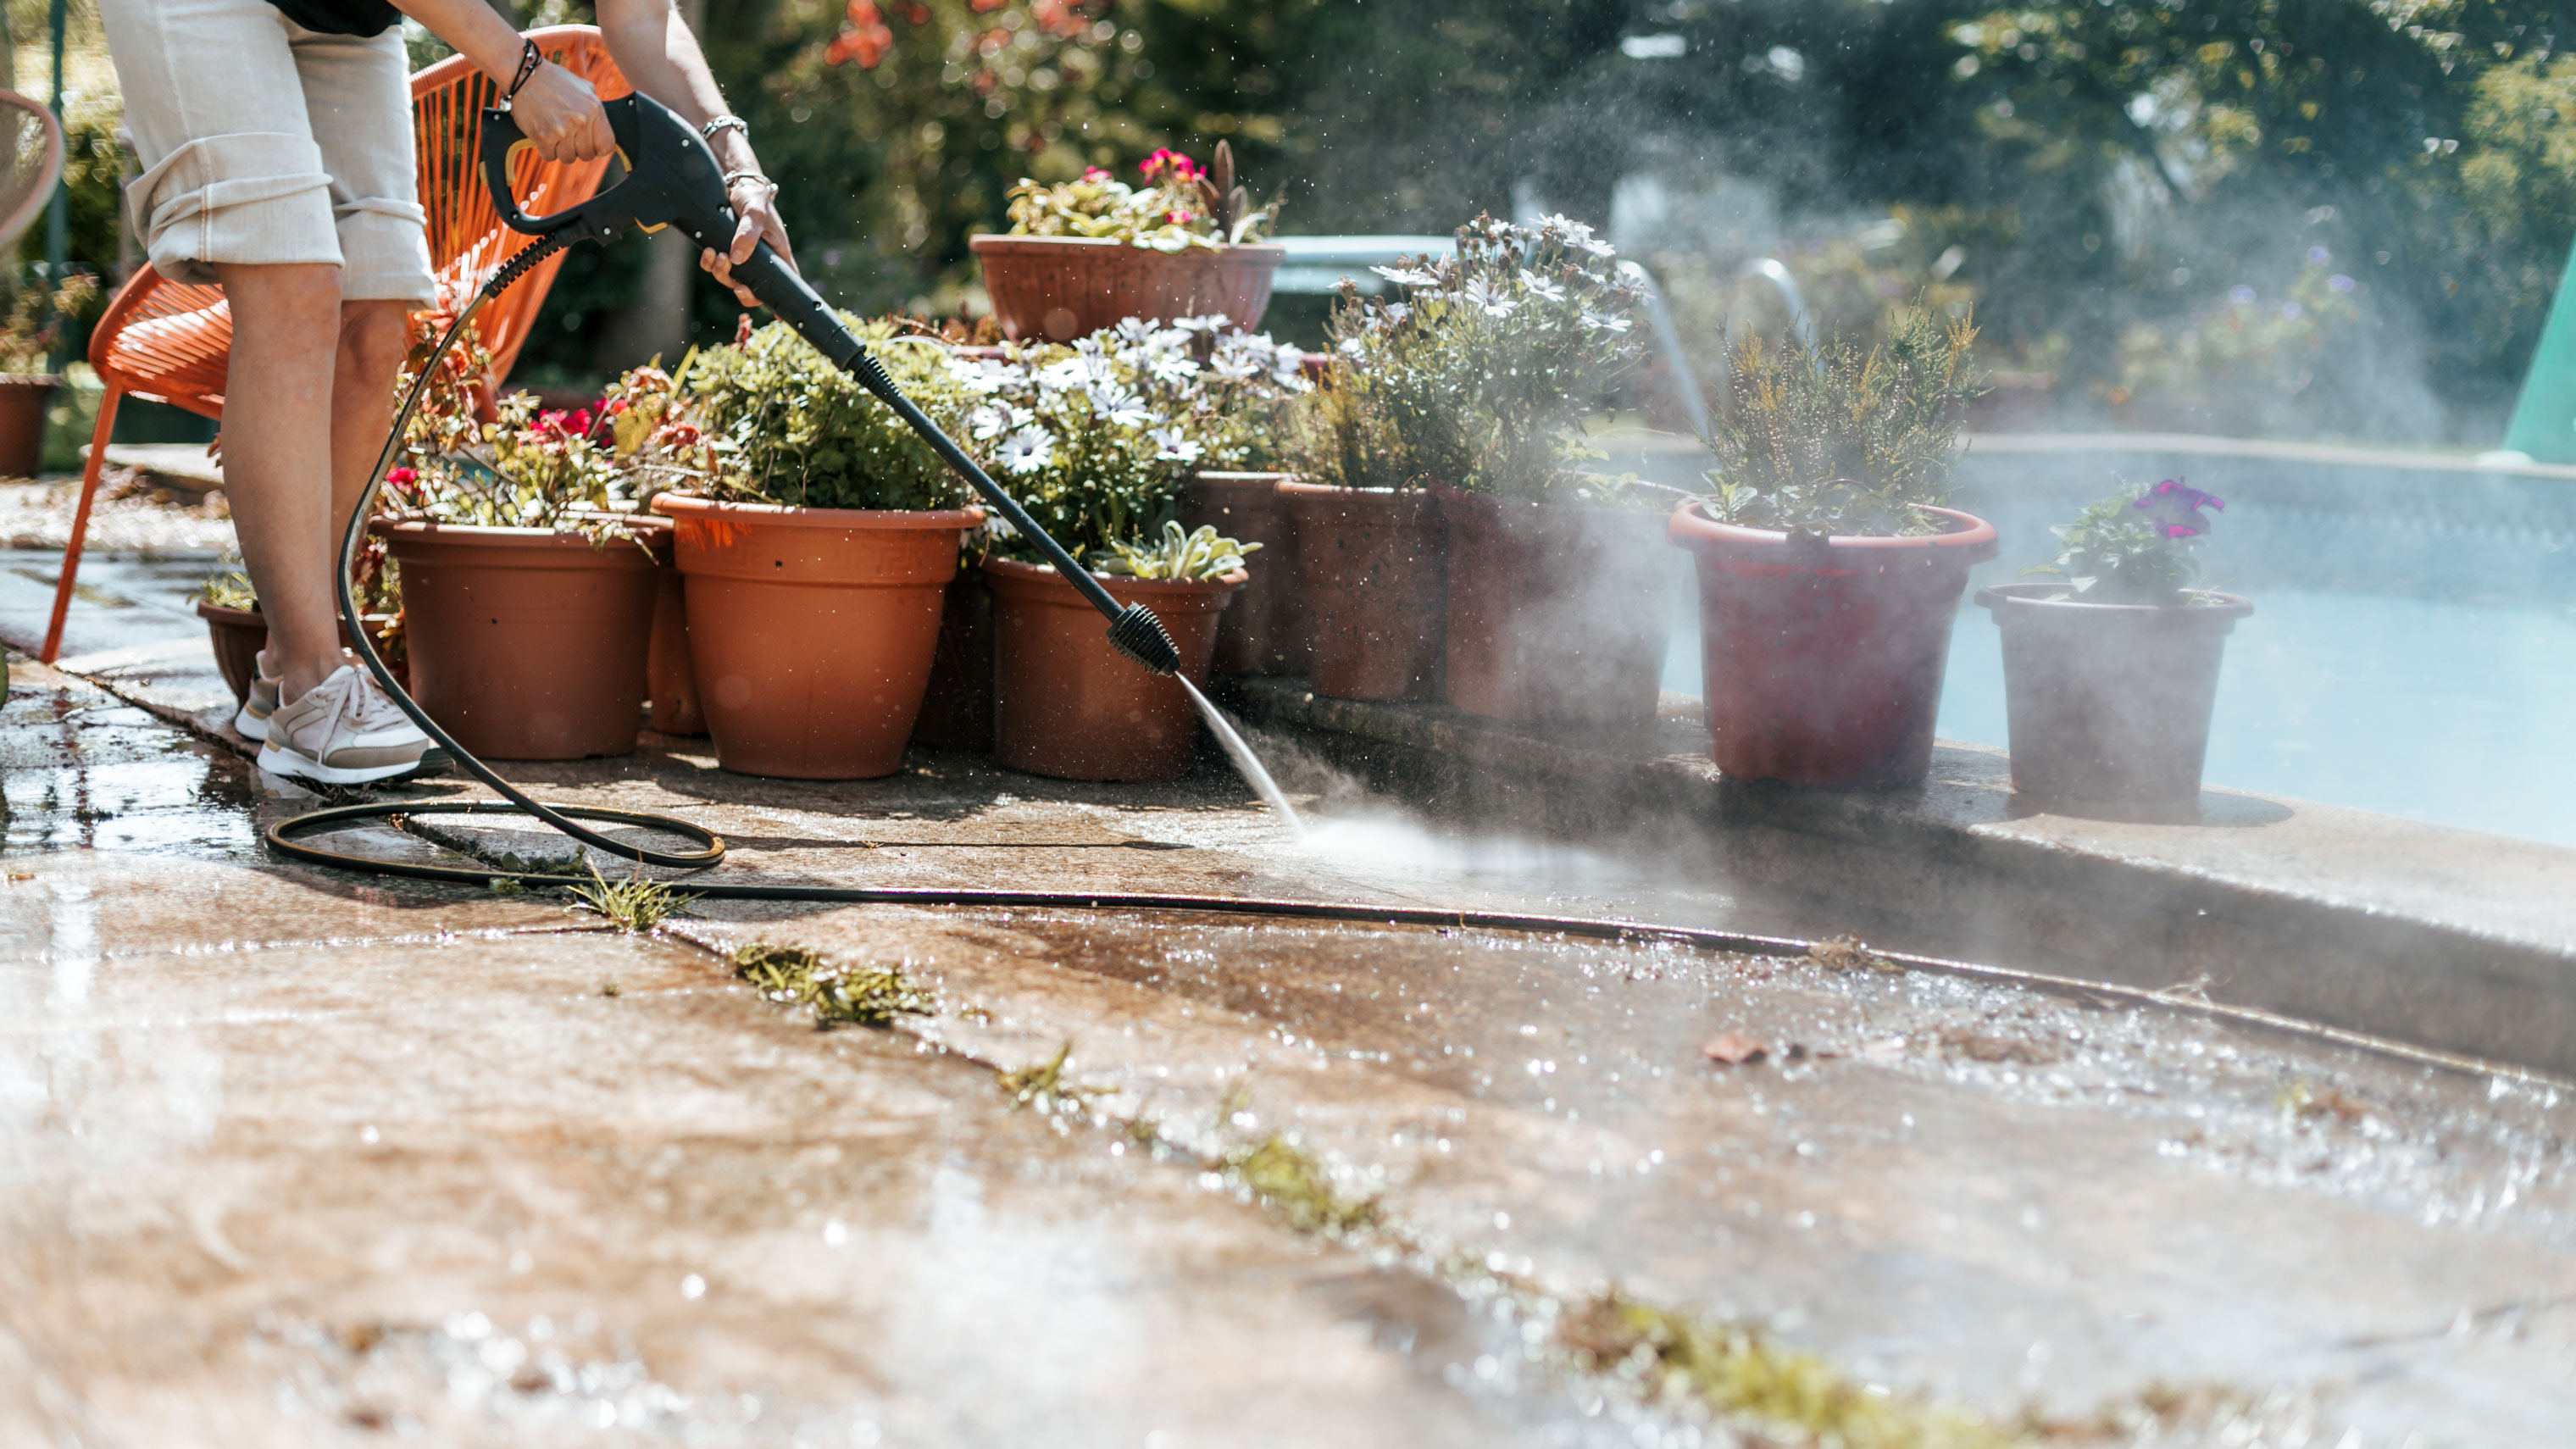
1733	1048
1848	953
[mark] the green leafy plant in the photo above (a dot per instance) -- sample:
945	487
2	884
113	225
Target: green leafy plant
1844	435
788	427
227	585
837	995
1098	436
1479	373
43	322
1180	206
636	906
2144	550
1198	555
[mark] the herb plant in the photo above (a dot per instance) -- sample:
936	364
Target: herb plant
1194	556
1479	374
2136	551
1180	206
789	427
1842	435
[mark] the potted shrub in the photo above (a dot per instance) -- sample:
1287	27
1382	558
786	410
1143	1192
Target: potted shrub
1098	438
2110	675
1828	574
528	577
1081	255
816	554
233	625
38	327
1486	366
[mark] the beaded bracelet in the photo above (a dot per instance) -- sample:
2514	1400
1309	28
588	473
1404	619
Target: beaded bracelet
529	60
707	132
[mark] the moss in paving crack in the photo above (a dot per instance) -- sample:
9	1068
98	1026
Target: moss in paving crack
636	906
837	995
1284	1176
1777	1395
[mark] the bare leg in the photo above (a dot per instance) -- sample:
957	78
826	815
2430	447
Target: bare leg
373	337
278	456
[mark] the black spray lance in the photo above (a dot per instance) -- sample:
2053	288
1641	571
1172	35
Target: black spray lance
673	180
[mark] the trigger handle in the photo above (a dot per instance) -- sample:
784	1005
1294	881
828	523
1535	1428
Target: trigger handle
502	140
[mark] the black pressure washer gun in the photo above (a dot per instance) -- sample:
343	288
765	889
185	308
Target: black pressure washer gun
672	179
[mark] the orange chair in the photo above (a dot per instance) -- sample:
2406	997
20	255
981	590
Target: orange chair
169	342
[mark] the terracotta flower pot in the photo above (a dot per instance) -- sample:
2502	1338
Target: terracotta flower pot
22	420
671	685
1058	288
1556	614
1265	630
957	710
2108	704
1824	658
524	643
811	630
1066	704
1371	565
238	635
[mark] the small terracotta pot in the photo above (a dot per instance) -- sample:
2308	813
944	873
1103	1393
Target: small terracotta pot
1265	630
1066	704
1372	566
22	421
1824	657
1058	288
957	709
238	635
2109	704
1556	614
811	630
671	685
523	643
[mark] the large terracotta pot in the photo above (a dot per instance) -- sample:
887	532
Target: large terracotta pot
22	421
523	643
1372	566
238	635
957	709
1556	614
1058	288
811	630
1265	630
671	683
1066	704
2109	704
1824	656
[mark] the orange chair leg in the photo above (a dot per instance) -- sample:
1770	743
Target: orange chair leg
80	522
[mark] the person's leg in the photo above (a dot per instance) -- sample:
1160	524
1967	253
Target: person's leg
278	466
374	334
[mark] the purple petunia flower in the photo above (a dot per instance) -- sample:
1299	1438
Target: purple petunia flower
2177	508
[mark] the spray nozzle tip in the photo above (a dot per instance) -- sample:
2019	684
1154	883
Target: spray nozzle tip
1137	634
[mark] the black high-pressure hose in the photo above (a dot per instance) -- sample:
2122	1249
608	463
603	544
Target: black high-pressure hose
674	180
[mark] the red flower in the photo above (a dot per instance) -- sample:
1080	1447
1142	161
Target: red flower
402	479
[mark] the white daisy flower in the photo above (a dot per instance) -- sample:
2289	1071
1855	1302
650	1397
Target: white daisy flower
1541	288
989	421
1599	323
1408	276
1483	294
1174	446
1027	450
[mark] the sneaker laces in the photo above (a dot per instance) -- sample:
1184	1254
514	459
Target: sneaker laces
373	709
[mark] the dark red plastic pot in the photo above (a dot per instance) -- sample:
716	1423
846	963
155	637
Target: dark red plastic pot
1824	657
957	710
1373	567
1264	632
523	643
22	422
1066	704
2109	704
811	630
1556	614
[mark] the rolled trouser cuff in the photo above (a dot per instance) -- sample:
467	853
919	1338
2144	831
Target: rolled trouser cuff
253	198
384	250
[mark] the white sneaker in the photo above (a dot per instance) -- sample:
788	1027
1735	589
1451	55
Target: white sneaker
251	723
344	731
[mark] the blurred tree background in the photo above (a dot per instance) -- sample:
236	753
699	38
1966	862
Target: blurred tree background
2321	216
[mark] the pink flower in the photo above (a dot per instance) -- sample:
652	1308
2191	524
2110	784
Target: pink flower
402	479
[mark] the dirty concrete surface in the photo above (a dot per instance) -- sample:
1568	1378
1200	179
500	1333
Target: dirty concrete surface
299	1157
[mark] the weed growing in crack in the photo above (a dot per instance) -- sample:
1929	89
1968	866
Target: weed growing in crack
1287	1178
1778	1395
837	995
1041	1085
636	906
503	885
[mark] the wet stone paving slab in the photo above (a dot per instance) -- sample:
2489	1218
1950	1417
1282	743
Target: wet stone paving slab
299	1157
